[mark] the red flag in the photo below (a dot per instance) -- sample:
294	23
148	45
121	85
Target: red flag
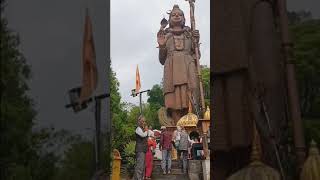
138	82
90	75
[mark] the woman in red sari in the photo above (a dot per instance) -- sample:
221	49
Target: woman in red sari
149	155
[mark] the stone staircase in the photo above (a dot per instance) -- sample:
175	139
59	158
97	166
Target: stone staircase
176	172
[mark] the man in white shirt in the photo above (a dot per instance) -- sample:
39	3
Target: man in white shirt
141	148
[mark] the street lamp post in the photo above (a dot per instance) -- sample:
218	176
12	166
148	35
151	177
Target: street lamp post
134	94
77	107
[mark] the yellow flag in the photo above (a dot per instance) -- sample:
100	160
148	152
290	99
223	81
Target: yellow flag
138	82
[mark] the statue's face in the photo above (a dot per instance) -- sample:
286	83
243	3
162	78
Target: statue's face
176	17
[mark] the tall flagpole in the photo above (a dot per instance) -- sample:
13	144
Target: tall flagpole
140	102
134	94
78	103
196	45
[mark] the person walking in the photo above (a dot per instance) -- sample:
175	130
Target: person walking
183	149
166	147
141	148
149	155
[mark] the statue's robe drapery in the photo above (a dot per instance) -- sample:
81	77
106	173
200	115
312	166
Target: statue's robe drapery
180	73
246	63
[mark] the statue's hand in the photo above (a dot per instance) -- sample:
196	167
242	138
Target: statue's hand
162	39
196	35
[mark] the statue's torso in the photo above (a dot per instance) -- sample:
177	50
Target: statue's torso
179	43
179	67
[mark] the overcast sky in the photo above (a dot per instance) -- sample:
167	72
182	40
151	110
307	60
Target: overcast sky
134	41
51	34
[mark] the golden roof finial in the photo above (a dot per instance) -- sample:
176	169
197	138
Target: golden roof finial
256	169
313	151
189	119
311	167
207	113
256	146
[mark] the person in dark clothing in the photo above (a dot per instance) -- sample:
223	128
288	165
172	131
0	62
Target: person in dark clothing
166	147
141	148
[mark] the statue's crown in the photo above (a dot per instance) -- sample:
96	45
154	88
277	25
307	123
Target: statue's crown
175	7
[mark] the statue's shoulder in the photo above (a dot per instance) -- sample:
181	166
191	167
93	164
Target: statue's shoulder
168	32
187	31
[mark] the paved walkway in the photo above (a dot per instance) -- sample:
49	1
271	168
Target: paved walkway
176	172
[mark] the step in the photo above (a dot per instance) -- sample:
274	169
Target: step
170	177
176	171
175	167
175	164
158	171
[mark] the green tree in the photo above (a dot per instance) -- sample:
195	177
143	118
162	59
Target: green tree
122	128
17	111
78	161
131	125
155	102
306	38
25	153
305	33
205	73
156	95
129	156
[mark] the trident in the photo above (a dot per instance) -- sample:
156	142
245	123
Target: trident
196	45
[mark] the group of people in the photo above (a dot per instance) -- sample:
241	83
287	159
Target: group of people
146	146
180	141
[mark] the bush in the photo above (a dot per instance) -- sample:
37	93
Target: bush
312	127
129	154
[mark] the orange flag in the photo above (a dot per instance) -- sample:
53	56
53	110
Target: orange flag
138	82
89	75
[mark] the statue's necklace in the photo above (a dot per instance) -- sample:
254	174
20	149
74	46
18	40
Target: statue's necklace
179	41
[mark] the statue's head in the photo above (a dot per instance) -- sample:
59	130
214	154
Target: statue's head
176	17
